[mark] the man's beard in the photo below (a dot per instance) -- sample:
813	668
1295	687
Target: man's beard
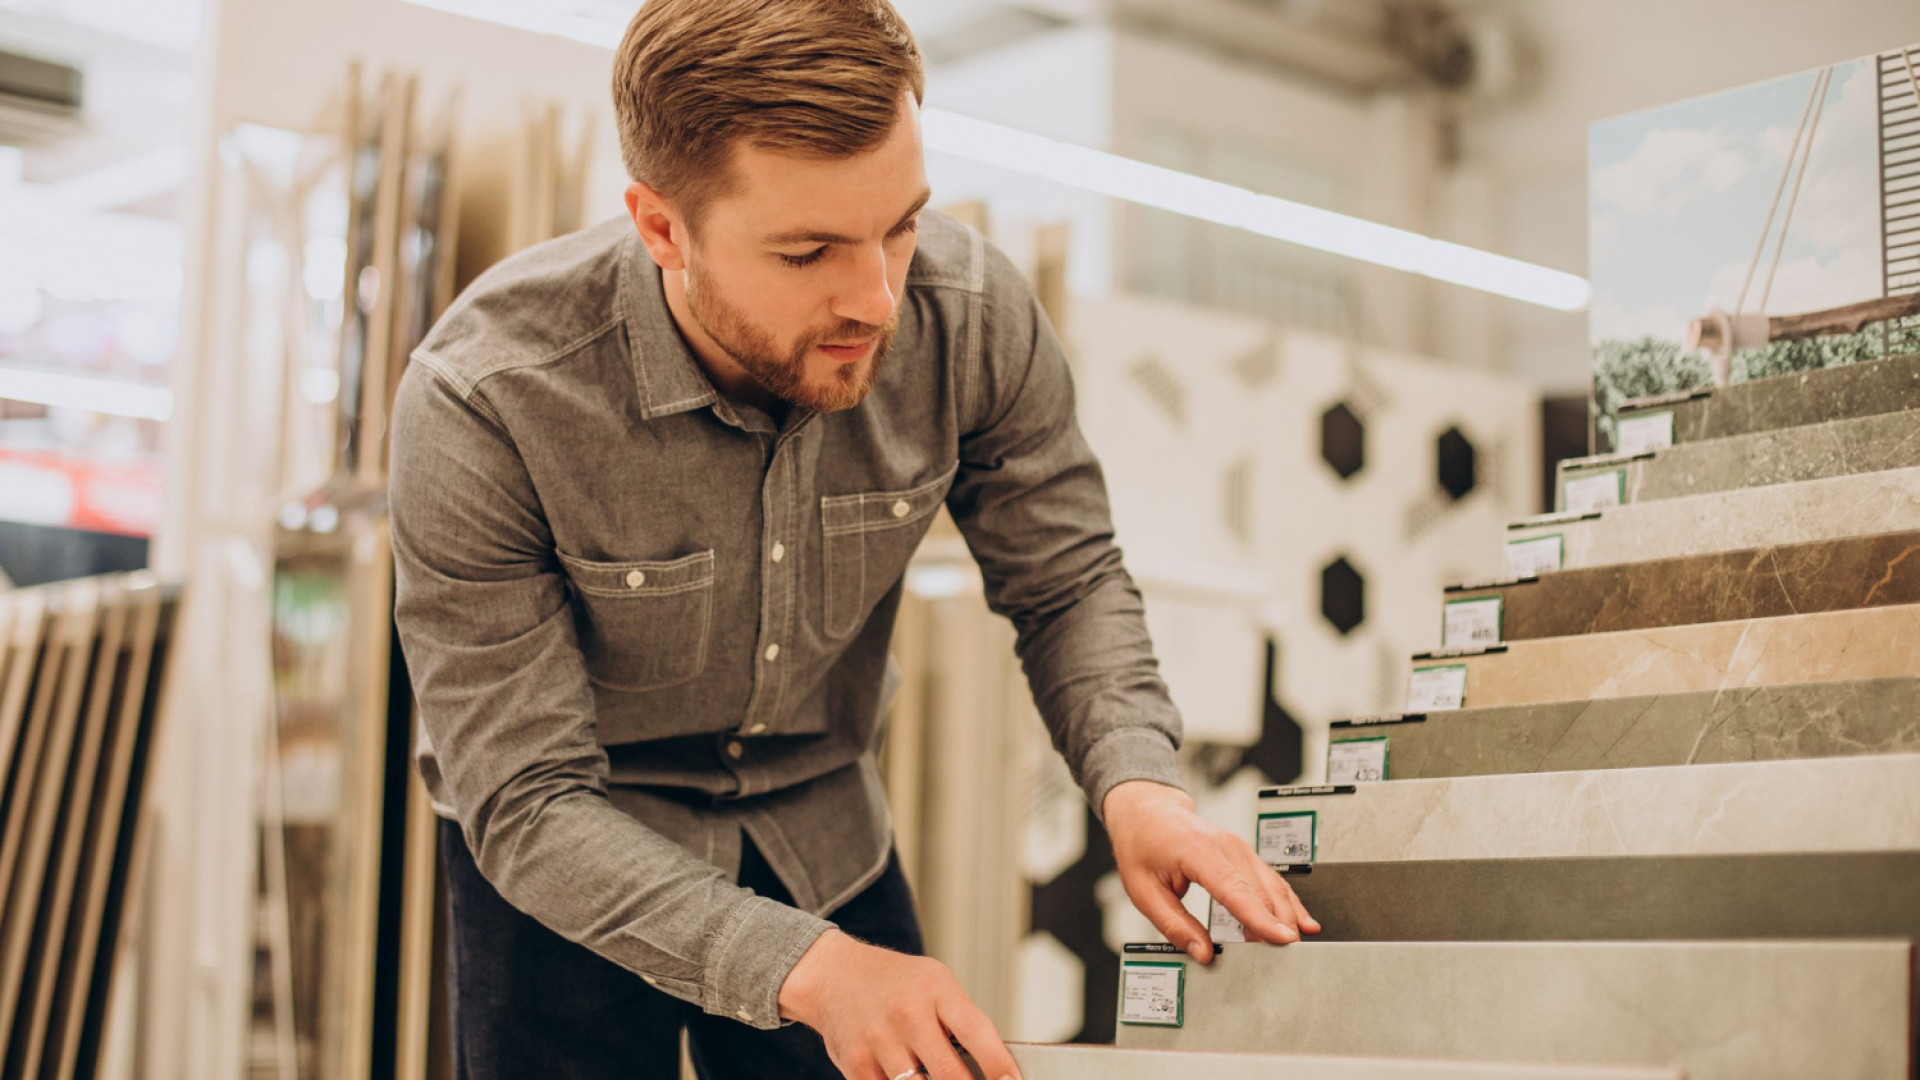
785	377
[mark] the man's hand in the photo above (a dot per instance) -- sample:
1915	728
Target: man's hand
1162	846
884	1014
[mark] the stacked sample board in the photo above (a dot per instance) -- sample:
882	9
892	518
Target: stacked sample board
80	672
1657	806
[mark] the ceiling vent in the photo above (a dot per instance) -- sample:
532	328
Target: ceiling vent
39	101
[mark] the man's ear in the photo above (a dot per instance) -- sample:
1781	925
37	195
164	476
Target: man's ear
660	226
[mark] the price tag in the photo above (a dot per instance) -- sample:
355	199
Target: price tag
1472	624
1352	761
1221	925
1535	556
1594	491
1438	688
1648	431
1286	837
1152	992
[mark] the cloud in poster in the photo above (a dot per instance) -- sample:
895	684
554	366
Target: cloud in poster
1680	194
1671	169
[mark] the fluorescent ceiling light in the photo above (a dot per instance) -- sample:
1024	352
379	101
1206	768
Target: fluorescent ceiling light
110	396
1136	181
1225	204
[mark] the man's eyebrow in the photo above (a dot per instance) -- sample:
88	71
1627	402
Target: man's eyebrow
810	236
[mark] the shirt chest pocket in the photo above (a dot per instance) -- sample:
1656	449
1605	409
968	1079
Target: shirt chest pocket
866	540
643	625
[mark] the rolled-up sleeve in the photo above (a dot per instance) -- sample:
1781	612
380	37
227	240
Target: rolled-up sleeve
1031	502
502	689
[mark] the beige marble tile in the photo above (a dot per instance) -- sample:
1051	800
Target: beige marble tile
1867	803
1730	520
1824	647
1720	1011
1114	1063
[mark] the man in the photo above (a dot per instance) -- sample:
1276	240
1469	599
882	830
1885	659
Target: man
655	486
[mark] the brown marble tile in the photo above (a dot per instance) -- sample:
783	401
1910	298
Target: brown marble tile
1785	579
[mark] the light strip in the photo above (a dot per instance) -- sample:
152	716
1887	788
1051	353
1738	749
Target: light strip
109	396
1151	185
1267	215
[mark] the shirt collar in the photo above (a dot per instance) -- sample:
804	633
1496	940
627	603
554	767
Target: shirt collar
669	379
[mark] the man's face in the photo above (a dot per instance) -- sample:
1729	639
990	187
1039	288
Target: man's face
797	272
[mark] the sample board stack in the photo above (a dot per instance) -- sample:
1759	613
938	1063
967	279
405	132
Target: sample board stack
80	672
1656	803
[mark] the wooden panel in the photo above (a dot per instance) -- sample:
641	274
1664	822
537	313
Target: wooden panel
26	640
34	802
81	988
75	799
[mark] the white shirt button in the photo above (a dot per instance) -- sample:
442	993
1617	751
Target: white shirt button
745	1015
756	729
773	652
635	579
902	508
779	552
734	749
650	980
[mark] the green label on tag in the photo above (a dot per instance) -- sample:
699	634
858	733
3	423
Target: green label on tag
1594	491
1286	837
1153	992
1433	689
1536	555
1471	624
1353	761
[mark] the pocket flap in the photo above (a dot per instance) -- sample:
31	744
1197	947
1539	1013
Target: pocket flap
884	509
640	578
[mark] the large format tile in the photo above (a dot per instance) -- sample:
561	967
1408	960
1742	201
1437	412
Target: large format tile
1719	1010
1709	727
1811	397
1673	898
1784	456
1114	1063
1829	646
1869	803
1757	583
1799	513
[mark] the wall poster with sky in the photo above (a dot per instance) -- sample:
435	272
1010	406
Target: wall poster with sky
1756	232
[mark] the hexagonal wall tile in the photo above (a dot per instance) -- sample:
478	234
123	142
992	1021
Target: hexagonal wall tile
1457	463
1343	440
1343	595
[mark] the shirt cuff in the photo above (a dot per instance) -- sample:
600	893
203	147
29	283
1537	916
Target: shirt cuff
750	959
1137	754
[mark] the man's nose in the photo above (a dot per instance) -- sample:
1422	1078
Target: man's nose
866	295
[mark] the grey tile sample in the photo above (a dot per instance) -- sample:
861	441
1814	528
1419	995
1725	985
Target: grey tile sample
1810	397
1869	803
1113	1063
1764	723
1798	513
1781	456
1719	1010
1671	898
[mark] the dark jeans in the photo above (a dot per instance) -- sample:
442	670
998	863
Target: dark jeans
527	1003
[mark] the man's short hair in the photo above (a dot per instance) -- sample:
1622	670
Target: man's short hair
695	78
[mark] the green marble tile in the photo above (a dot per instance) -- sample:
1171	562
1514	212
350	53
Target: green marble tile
1812	397
1782	456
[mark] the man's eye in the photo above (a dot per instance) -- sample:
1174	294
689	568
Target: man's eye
798	261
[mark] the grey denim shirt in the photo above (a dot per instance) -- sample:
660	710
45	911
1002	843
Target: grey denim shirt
641	619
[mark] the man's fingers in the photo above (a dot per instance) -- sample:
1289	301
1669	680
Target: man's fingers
977	1034
1245	900
1174	921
